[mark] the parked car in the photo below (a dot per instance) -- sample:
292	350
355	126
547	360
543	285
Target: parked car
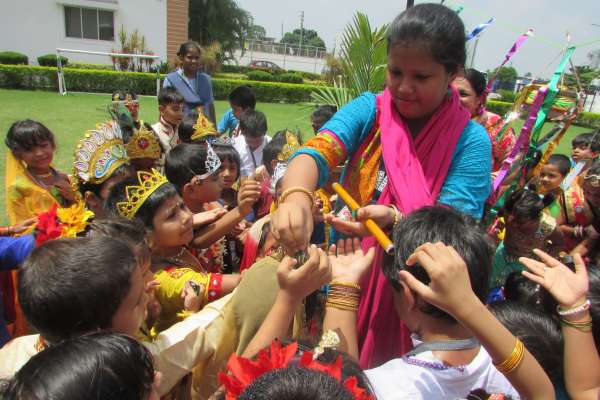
263	65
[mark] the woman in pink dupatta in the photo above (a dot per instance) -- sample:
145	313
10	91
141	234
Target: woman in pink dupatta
411	146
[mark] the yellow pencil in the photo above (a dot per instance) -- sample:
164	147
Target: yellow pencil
371	226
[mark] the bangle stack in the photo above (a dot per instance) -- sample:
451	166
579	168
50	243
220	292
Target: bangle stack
343	296
397	215
294	189
583	326
513	360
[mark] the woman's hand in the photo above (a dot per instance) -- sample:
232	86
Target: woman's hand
22	226
65	189
292	223
450	287
382	215
348	261
567	287
299	283
248	194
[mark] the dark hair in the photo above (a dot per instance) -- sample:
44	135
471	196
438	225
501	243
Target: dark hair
168	96
145	214
184	162
519	289
594	169
96	188
26	134
121	95
186	129
186	46
588	139
476	80
253	123
526	204
442	224
435	27
127	231
96	366
323	114
539	332
68	287
227	152
272	149
561	162
242	96
594	297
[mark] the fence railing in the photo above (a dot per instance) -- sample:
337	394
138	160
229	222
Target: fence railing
285	49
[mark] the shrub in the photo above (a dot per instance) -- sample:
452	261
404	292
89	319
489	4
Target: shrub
290	78
588	119
13	58
44	78
49	60
307	75
259	75
508	95
99	67
236	69
498	107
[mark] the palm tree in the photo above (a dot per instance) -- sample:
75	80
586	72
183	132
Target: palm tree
363	57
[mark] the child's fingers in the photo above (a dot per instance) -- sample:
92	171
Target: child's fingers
580	267
534	278
547	259
533	266
413	283
288	263
332	250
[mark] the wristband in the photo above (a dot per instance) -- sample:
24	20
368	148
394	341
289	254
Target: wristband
575	310
295	189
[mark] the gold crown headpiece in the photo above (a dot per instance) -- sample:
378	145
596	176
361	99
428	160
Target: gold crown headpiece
138	194
212	163
143	144
291	145
98	154
203	128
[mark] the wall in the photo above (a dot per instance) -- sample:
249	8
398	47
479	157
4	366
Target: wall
36	27
177	26
306	64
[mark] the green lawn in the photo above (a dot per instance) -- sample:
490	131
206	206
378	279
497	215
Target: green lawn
71	115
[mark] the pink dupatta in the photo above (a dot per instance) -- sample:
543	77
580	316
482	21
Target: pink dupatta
416	171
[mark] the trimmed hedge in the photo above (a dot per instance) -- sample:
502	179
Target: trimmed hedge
99	67
258	75
79	80
307	75
236	69
290	77
13	58
50	60
588	119
498	107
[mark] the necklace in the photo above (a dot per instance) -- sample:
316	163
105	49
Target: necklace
48	175
176	259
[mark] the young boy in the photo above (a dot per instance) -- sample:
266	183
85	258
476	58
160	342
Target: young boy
240	99
252	141
586	147
170	106
551	177
194	170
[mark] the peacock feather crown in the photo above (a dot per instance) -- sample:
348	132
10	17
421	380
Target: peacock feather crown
138	194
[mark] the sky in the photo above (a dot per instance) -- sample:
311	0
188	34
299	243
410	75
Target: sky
550	19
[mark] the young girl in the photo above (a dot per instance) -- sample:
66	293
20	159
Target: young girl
32	184
194	85
527	228
392	142
154	201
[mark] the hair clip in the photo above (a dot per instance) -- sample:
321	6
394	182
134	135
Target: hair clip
329	340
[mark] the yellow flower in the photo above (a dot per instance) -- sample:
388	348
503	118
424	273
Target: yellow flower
74	219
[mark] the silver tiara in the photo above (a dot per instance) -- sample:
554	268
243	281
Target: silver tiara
212	163
278	173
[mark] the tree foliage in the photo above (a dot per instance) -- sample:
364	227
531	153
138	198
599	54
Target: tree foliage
309	38
221	21
257	32
507	75
585	73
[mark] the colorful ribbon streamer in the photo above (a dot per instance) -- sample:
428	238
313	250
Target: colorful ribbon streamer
513	50
479	28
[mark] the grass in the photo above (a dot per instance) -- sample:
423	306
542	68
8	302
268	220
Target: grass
71	115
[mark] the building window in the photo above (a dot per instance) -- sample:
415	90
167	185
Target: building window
89	23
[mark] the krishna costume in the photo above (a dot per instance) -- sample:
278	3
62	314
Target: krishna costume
449	162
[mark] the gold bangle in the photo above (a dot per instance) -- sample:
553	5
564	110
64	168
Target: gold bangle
584	326
294	189
513	360
344	284
397	215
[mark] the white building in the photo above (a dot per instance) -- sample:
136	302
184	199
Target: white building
38	27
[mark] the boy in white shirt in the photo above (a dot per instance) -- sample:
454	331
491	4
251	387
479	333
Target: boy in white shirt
252	141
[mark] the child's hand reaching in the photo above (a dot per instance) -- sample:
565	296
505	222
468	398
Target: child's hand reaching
567	287
299	283
348	261
192	295
66	190
248	195
382	215
208	217
450	287
23	226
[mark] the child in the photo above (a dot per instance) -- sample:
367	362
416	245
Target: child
252	141
170	106
240	99
551	177
439	277
153	201
527	228
32	184
94	366
321	115
193	84
194	170
100	162
130	100
585	147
